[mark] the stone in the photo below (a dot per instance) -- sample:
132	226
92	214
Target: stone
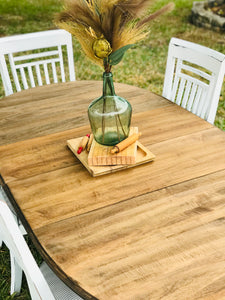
203	17
212	3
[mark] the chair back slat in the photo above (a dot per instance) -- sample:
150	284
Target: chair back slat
48	59
38	72
186	93
35	55
203	105
5	78
24	79
14	73
192	96
196	102
41	62
194	77
196	71
31	76
61	64
54	73
174	88
180	91
46	73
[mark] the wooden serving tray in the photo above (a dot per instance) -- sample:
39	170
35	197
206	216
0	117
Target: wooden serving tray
143	155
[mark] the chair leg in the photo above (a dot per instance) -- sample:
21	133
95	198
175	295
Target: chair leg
16	275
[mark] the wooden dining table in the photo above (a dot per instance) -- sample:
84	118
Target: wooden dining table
153	231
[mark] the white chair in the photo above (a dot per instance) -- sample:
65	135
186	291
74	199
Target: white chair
194	77
4	197
42	282
41	65
15	273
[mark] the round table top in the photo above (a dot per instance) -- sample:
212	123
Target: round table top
154	231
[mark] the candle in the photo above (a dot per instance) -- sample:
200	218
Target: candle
83	143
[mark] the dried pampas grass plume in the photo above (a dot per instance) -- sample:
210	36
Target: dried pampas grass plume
107	28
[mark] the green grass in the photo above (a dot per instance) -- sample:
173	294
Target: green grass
143	66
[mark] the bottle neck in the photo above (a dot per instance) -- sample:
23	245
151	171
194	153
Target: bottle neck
108	86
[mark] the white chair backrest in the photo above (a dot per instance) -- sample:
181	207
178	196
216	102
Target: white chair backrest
194	77
44	62
12	237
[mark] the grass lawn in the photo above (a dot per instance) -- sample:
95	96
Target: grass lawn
143	66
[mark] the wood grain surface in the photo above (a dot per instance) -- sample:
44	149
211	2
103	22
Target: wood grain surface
155	231
53	108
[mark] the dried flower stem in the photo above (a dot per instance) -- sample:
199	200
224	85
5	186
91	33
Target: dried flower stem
108	25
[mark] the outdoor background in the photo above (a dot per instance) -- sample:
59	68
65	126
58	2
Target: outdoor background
143	65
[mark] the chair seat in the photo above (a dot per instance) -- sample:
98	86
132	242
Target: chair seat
57	286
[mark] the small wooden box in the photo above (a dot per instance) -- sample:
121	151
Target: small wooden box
101	155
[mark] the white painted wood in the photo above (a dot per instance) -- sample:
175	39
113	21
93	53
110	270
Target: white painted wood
6	81
4	198
203	70
38	72
54	72
46	74
31	76
14	73
61	64
16	275
40	63
197	99
192	97
181	91
35	55
24	79
43	283
186	93
49	44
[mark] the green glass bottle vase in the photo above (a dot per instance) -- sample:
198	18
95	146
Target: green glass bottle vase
109	115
